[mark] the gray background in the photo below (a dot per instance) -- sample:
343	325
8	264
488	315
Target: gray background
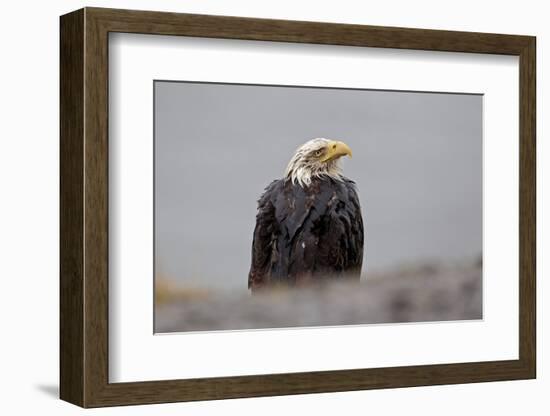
417	164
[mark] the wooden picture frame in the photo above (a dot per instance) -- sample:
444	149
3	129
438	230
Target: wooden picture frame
84	207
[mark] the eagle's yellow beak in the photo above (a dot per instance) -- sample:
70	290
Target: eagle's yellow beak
335	150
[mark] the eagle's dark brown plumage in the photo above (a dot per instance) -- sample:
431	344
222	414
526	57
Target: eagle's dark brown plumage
305	234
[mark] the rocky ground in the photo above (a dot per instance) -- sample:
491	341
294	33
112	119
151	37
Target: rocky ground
412	294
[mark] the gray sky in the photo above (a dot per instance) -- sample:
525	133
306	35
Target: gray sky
417	162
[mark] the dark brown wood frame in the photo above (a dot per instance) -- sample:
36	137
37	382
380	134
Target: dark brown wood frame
84	211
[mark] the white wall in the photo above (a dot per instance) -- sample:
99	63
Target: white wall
29	212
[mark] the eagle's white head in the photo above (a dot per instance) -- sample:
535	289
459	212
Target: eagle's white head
315	159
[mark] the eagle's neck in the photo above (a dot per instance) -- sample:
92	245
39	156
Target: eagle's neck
300	172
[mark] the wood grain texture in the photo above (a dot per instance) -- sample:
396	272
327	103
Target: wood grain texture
162	23
527	208
96	207
71	208
84	207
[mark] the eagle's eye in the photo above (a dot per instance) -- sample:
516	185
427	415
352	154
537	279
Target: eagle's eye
318	152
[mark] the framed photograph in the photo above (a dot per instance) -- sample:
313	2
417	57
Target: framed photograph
254	207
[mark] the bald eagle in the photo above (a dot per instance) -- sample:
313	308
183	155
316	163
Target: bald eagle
309	227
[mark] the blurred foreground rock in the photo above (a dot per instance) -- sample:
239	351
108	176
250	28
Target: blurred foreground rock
424	293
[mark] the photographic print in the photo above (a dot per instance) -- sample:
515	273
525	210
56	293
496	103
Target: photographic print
294	206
